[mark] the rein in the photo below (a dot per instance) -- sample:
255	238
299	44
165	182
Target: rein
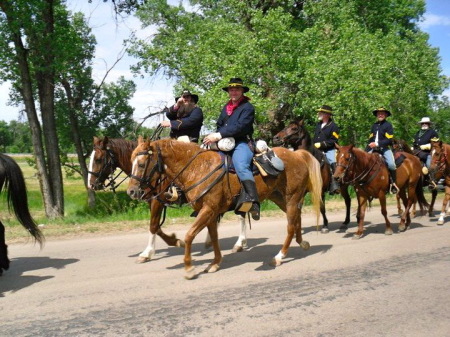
362	175
109	162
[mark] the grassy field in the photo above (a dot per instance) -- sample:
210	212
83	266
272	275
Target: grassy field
113	212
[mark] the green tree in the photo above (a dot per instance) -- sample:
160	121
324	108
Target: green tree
297	55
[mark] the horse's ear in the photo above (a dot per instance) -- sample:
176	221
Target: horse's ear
336	145
350	147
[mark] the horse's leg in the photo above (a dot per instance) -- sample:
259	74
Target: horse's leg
156	209
4	261
407	203
382	197
433	199
348	200
215	264
362	204
293	217
241	242
323	211
206	217
444	206
399	206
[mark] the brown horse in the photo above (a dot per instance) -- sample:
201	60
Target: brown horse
440	167
203	177
369	175
399	146
297	136
111	153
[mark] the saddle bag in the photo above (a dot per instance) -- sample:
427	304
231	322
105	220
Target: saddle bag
268	164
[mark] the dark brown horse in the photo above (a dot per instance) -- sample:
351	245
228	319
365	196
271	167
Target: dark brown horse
440	168
297	136
399	146
12	181
369	175
211	191
109	154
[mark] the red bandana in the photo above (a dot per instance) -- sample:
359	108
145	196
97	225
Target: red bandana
232	106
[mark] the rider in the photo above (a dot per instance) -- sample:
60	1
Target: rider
326	136
379	141
236	120
185	117
422	142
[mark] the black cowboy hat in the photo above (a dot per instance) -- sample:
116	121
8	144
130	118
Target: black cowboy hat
236	82
327	109
187	93
388	113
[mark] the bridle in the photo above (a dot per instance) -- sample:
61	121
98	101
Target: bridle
109	164
359	178
145	180
442	165
298	140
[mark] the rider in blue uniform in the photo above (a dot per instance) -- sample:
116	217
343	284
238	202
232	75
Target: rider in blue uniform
325	138
236	120
422	142
380	140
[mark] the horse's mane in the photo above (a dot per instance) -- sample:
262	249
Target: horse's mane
123	147
403	146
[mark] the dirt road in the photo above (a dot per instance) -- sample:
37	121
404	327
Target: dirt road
379	285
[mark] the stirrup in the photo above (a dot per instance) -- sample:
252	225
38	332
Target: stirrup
171	194
255	211
393	189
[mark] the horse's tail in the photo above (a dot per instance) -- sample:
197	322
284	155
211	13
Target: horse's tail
423	204
314	184
11	178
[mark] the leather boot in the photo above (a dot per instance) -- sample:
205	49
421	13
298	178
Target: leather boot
334	186
250	189
393	178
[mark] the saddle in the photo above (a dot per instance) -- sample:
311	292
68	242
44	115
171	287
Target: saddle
399	159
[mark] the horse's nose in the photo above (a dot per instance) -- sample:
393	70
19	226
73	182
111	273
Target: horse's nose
276	139
131	191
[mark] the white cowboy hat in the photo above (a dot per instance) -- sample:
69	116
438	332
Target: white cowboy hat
425	120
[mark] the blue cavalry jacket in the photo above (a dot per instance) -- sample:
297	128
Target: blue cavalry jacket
239	125
188	125
385	135
326	136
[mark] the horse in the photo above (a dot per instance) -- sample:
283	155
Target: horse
111	153
399	146
368	174
211	191
13	182
297	136
440	167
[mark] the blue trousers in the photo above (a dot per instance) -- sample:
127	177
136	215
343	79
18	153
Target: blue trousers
428	162
331	156
389	158
242	159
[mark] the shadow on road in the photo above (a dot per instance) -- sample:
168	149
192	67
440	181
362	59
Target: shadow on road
14	280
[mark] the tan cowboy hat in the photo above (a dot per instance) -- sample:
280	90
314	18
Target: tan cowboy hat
187	93
425	120
236	82
327	109
388	113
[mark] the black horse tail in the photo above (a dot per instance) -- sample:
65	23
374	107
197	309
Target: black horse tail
11	180
423	204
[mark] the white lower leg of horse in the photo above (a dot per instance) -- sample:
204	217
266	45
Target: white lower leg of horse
280	256
242	239
149	251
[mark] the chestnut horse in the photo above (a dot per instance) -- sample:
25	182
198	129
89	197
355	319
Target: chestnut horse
296	136
202	175
369	175
440	167
12	181
111	153
399	146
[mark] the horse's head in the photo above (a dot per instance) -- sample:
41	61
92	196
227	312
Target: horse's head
146	170
344	159
293	134
438	163
101	164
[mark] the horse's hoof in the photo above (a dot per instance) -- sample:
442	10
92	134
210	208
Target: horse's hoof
324	230
305	245
237	249
357	236
401	228
390	232
180	243
143	259
190	274
212	268
440	223
275	262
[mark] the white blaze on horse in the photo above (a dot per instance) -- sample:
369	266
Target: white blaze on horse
203	178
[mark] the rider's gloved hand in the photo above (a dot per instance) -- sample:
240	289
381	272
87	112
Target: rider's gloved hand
425	147
317	145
